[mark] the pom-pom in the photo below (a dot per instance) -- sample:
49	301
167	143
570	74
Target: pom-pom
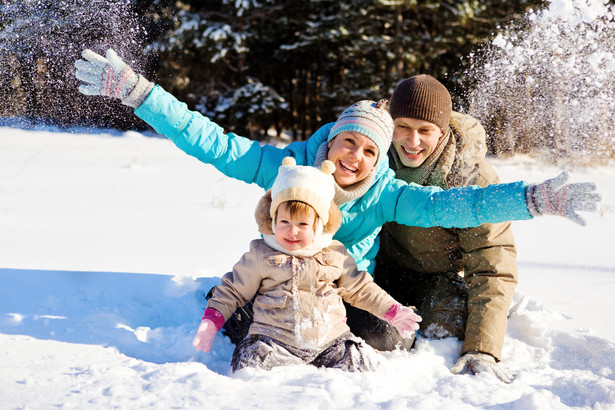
383	104
328	167
289	161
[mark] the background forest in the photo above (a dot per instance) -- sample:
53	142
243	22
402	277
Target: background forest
256	67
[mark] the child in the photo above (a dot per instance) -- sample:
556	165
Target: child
300	276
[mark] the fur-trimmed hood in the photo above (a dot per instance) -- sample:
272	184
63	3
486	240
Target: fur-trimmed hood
264	220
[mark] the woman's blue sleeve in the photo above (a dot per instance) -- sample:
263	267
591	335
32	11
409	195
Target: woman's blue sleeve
235	156
464	207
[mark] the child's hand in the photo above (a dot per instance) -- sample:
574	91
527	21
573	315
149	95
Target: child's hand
110	76
403	318
205	335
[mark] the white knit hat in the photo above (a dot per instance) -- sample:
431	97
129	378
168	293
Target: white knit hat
307	184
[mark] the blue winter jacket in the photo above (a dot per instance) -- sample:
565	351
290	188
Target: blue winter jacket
387	200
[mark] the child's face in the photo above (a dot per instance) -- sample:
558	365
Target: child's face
294	232
415	140
354	156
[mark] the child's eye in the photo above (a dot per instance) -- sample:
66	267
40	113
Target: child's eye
283	221
350	141
370	152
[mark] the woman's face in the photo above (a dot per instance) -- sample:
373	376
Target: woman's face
354	156
415	140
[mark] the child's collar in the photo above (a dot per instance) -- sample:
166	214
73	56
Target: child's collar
320	242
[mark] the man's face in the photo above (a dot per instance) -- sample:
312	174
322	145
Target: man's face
415	140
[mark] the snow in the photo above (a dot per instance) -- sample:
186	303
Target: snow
551	74
108	242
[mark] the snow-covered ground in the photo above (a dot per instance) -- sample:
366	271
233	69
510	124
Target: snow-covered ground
108	242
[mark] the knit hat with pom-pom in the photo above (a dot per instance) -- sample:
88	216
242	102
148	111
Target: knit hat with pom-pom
369	118
307	184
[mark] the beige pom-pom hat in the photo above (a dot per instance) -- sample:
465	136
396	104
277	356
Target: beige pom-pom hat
306	184
312	185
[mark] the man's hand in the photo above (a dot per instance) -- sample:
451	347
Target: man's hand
481	363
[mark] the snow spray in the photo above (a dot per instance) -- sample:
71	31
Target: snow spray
547	84
39	42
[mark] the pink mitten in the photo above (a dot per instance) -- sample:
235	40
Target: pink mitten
403	318
211	323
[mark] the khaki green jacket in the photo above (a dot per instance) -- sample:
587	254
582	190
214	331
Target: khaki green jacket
299	299
486	255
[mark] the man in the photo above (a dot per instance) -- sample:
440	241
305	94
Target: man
461	280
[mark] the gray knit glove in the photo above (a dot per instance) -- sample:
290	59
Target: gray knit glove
555	197
481	363
111	77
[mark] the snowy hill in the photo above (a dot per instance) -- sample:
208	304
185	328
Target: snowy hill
108	241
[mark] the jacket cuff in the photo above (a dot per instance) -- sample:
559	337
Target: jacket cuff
479	352
531	199
138	94
215	316
486	347
391	313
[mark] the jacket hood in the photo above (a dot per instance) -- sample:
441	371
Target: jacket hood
469	149
264	220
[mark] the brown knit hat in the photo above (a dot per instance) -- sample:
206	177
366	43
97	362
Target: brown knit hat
424	98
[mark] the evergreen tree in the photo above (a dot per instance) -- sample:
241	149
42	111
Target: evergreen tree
319	56
250	64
